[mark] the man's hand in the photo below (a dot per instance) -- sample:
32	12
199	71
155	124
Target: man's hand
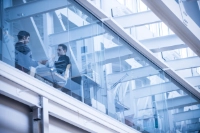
43	62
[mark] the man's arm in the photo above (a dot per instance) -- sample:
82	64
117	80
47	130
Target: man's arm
67	71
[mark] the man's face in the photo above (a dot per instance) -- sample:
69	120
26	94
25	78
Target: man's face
60	51
26	39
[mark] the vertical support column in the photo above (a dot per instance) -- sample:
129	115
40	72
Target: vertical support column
48	27
45	115
82	89
135	7
40	117
36	120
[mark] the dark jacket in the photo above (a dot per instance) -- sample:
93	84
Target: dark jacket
62	63
23	57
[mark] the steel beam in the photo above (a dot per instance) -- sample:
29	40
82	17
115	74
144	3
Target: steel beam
158	44
113	54
155	45
163	43
144	72
193	80
161	88
184	63
132	74
184	27
77	34
137	19
186	115
28	9
154	89
175	103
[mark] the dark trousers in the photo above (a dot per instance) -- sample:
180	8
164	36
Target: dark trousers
22	68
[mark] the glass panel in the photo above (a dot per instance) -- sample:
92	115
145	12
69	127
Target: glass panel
97	67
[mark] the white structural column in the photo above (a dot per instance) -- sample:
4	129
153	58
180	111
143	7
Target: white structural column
137	19
48	28
45	115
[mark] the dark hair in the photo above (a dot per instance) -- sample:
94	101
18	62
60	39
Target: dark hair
22	34
64	47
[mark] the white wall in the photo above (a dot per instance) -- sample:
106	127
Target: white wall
14	116
59	126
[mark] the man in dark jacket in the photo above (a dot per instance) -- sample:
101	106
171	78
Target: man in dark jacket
23	56
63	64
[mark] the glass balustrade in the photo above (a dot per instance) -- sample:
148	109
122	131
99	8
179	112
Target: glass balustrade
104	71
